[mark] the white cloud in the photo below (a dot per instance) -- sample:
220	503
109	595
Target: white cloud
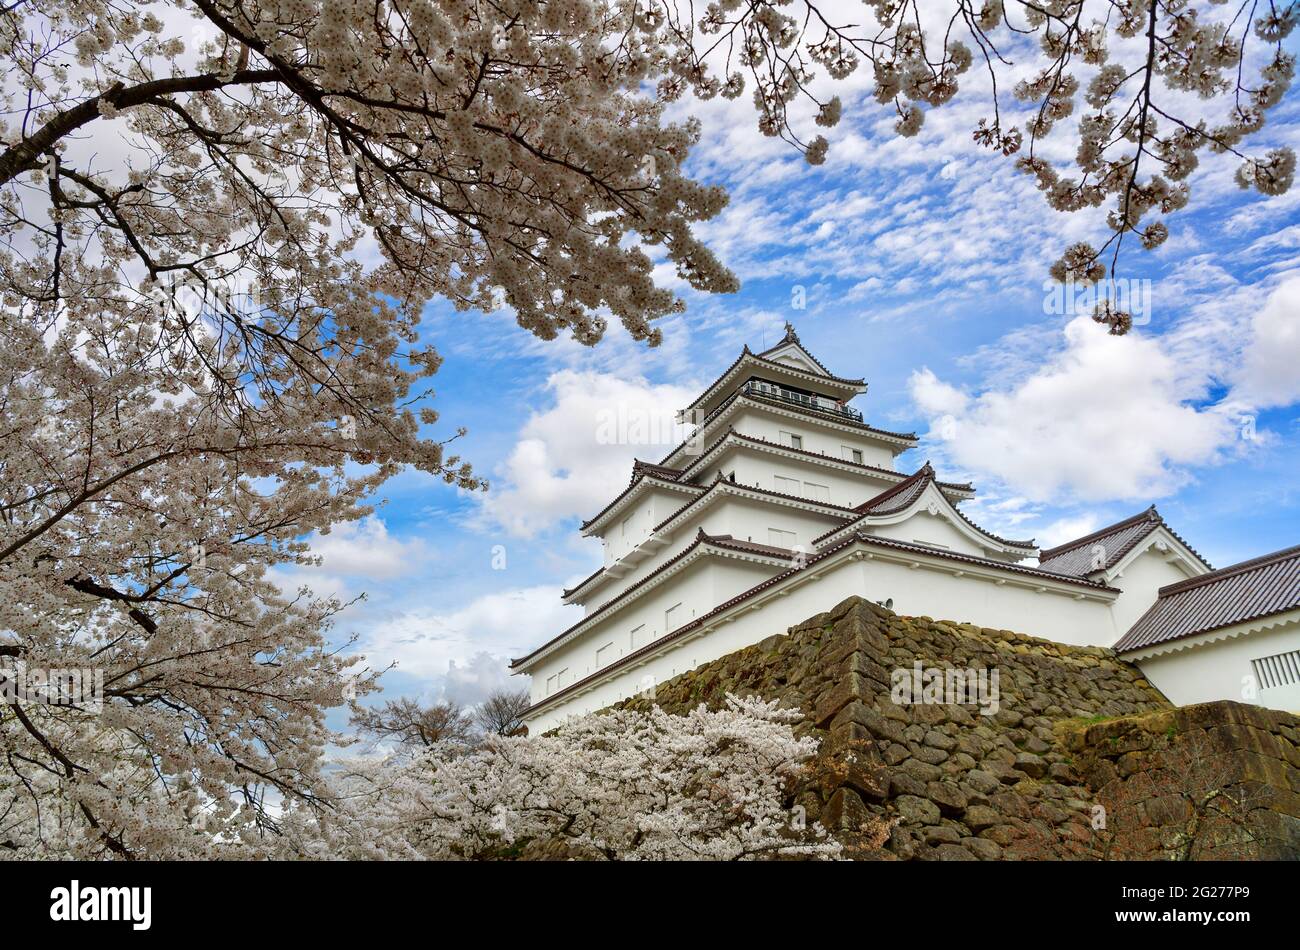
1268	374
574	457
936	397
1067	529
463	654
365	549
1104	418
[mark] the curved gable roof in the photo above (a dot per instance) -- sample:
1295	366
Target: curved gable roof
816	371
1251	590
1081	557
904	495
791	339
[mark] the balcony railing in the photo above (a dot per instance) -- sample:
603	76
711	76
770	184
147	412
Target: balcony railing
759	387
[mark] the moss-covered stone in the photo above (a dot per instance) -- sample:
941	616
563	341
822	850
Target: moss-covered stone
1073	726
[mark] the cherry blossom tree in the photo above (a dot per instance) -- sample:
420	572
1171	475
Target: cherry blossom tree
142	518
622	785
219	223
492	153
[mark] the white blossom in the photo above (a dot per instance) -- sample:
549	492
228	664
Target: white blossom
620	785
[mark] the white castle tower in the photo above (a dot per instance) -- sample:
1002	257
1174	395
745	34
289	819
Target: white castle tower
783	502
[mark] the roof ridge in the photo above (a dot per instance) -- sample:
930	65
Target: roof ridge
1102	532
1231	570
925	471
640	464
792	337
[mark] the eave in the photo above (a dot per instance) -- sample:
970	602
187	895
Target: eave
721	487
749	361
738	439
897	441
702	545
1216	634
640	484
660	535
860	547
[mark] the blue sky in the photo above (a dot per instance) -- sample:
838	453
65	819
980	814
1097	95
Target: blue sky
923	263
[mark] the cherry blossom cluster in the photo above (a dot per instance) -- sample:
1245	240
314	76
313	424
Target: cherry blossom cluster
620	785
497	154
1149	84
145	517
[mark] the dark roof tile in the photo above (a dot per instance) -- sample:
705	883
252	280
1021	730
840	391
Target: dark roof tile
1251	590
1078	559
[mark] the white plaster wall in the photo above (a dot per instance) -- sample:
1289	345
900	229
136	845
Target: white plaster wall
712	518
754	467
748	519
1219	670
816	438
698	588
926	528
1141	582
921	591
634	525
1051	614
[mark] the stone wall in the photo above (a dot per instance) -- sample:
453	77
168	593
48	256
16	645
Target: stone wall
1210	781
946	781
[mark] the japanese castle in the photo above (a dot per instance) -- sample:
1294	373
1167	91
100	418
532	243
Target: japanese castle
784	501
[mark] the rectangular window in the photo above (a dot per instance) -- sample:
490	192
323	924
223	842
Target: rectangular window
817	492
781	539
850	454
786	486
604	654
791	440
1281	669
636	639
550	684
672	617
